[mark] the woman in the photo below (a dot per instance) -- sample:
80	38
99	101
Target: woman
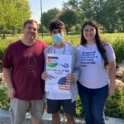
97	63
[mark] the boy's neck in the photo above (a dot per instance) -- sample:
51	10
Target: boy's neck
59	46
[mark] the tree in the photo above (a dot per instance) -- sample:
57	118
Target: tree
75	6
105	12
68	17
48	16
121	15
71	4
13	13
42	28
109	17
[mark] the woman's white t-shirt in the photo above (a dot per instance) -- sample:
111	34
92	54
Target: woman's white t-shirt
92	71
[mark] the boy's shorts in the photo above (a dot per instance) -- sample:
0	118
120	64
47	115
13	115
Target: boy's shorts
18	108
54	106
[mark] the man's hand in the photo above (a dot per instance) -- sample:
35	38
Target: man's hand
70	77
44	75
11	92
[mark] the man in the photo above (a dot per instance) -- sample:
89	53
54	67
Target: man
23	64
54	99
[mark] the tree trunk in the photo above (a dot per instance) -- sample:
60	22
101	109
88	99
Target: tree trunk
3	36
13	31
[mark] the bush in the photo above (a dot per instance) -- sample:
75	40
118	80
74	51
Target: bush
2	50
114	105
118	46
79	110
4	100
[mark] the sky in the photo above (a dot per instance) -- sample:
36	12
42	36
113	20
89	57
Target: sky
46	5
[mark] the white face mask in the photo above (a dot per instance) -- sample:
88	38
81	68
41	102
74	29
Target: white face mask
58	38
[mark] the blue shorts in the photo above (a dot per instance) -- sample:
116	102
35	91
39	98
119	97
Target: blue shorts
54	106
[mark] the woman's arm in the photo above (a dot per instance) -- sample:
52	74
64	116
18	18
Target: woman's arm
112	74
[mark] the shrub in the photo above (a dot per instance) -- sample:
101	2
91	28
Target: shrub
4	100
118	46
2	50
115	105
79	110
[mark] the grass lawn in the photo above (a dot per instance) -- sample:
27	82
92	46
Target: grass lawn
72	37
113	35
75	37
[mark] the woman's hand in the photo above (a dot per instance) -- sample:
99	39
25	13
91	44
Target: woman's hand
111	91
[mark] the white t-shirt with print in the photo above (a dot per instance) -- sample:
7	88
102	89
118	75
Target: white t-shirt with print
92	71
56	95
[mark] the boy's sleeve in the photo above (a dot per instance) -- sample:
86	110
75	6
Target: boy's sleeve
76	69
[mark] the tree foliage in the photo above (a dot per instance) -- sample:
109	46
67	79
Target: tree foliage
108	13
13	13
68	16
48	16
71	4
121	14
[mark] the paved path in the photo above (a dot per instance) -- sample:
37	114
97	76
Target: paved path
46	119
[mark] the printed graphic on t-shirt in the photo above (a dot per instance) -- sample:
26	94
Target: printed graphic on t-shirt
88	58
30	62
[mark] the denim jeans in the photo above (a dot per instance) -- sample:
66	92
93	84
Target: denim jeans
93	103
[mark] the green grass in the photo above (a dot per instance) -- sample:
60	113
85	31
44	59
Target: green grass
113	35
75	37
116	39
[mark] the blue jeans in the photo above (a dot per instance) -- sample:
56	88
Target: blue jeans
93	103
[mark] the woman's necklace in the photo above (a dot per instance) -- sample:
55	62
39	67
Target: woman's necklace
90	46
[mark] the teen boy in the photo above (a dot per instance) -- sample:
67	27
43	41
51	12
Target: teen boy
54	99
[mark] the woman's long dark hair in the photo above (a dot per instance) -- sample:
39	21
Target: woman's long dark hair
100	44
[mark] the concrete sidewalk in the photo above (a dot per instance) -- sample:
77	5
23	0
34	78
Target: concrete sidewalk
46	119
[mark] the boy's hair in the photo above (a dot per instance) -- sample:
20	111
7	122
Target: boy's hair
30	21
56	24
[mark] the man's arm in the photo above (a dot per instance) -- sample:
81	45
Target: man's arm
8	80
